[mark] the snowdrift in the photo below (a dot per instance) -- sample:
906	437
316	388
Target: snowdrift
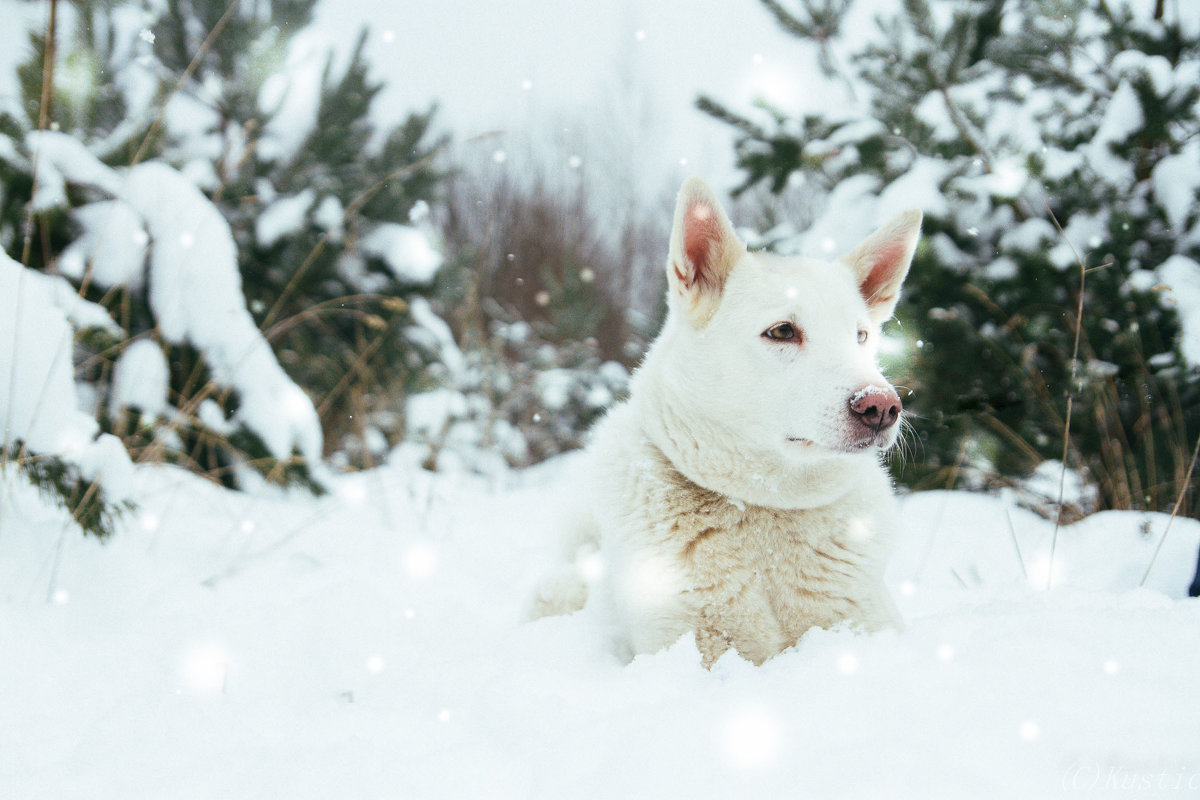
371	644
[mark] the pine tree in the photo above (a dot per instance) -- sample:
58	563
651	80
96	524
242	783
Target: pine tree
1007	119
196	84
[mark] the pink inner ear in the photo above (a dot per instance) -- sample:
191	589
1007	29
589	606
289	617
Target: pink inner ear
701	230
877	286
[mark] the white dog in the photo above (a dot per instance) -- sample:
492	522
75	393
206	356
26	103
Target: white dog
739	494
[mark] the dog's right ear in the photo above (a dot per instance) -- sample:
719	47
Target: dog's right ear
704	250
881	262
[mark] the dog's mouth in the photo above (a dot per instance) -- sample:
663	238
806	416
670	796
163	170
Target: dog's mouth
877	440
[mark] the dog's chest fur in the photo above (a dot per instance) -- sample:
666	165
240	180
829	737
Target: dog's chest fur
751	578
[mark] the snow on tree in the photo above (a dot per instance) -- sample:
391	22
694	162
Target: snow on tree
1003	120
195	290
333	245
207	177
42	428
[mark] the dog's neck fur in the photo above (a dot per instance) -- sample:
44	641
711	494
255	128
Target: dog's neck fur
712	456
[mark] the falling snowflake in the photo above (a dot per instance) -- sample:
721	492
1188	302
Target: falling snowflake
420	561
204	667
752	737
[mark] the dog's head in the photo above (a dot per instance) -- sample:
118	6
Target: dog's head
779	353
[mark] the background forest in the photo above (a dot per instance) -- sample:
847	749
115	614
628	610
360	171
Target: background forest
480	307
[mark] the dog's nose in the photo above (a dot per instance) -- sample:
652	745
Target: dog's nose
876	407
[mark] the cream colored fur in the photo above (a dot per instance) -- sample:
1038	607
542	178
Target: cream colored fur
733	495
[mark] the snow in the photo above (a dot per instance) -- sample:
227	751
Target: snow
554	387
196	296
434	329
111	251
1176	180
289	98
1085	232
1061	163
195	286
920	187
1030	236
1001	269
141	379
283	217
1157	68
1182	275
1050	482
38	404
329	215
372	644
194	118
847	220
1121	119
61	157
866	390
948	253
427	414
137	82
212	417
405	250
63	296
857	206
932	110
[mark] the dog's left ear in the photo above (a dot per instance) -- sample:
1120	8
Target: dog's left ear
882	260
704	250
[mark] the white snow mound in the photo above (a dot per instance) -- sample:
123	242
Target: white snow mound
372	644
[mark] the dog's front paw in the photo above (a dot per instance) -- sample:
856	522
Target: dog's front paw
562	592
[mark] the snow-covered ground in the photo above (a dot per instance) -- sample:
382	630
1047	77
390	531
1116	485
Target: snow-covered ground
370	644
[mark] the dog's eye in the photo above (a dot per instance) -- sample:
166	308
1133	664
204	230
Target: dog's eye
862	335
783	332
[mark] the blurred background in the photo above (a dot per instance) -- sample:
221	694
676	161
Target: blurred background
451	218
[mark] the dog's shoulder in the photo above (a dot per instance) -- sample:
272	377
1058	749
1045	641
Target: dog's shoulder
622	455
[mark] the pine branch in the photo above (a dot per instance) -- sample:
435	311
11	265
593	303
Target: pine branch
192	66
790	23
349	213
722	113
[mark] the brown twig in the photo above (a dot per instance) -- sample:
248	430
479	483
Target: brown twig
1187	481
48	56
1062	478
192	66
